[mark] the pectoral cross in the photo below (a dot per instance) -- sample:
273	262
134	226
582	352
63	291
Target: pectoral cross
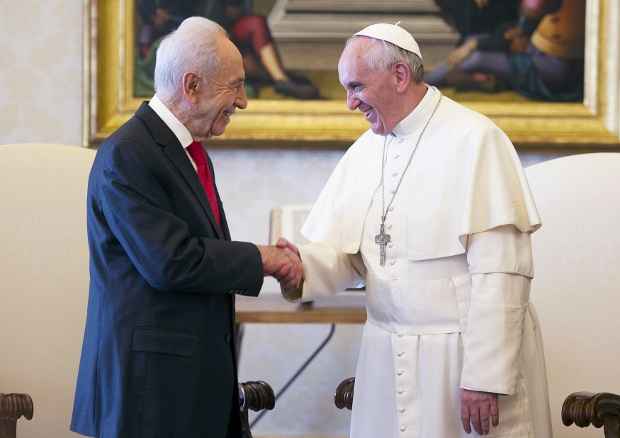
382	239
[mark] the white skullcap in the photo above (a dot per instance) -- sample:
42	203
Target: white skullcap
392	33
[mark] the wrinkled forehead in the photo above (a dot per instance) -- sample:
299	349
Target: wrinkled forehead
356	47
353	58
228	52
230	59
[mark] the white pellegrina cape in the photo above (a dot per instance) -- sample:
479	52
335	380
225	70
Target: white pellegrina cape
468	175
450	308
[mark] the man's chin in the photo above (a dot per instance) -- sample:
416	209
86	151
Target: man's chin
217	130
379	130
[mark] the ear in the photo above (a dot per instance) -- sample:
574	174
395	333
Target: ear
191	86
402	76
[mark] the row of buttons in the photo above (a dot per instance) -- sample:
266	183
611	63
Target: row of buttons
402	364
401	373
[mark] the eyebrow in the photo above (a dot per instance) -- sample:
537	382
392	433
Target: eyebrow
352	84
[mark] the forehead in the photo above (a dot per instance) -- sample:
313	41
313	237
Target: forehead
353	65
231	62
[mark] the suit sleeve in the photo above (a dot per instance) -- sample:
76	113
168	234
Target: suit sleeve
159	243
500	263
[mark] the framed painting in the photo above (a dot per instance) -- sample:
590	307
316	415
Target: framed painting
114	88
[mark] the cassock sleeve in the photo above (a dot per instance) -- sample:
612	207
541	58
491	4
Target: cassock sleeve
327	271
500	262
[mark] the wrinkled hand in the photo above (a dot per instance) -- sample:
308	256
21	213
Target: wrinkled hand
461	53
284	244
283	264
479	409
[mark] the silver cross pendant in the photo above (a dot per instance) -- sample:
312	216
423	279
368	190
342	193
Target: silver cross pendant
382	239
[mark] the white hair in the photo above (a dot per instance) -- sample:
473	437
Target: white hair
382	55
191	47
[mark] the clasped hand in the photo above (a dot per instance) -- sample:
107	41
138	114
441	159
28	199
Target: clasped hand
282	261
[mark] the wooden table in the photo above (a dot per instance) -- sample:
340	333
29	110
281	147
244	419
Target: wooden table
345	308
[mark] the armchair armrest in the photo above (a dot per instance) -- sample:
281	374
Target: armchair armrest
602	409
344	394
12	407
258	396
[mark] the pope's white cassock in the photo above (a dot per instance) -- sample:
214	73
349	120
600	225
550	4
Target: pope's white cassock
450	308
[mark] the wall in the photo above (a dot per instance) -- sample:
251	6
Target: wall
40	101
41	73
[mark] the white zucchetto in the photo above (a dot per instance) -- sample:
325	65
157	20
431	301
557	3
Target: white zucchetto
392	33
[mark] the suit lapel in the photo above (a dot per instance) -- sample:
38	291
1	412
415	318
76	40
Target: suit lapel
177	156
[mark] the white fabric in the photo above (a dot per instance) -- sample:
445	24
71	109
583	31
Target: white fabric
394	34
465	178
178	129
450	308
427	334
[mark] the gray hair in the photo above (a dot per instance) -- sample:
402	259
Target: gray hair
382	55
191	47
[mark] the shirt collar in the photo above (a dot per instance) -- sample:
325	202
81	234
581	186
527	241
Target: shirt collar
177	128
416	119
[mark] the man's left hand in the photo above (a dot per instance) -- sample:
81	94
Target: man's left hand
479	409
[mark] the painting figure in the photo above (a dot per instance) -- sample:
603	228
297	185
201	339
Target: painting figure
250	33
540	56
476	17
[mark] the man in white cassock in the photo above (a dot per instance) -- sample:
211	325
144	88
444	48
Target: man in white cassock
431	211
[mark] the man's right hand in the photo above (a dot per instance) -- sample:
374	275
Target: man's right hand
291	288
281	263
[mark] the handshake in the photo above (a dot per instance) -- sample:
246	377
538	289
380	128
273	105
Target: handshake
283	262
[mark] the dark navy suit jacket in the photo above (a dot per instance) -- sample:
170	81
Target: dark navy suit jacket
158	357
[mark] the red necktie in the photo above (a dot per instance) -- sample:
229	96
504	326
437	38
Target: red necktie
199	155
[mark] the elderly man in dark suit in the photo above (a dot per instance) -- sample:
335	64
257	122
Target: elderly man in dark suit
158	357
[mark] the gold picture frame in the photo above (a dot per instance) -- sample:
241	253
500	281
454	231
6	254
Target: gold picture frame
109	101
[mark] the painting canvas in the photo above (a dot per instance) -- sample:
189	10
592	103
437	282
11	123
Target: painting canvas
531	84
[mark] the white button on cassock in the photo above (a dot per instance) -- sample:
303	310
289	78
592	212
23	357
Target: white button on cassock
403	428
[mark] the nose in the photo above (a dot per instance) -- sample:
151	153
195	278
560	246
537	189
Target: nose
241	101
352	101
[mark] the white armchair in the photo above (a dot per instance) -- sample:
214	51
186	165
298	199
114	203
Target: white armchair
44	277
